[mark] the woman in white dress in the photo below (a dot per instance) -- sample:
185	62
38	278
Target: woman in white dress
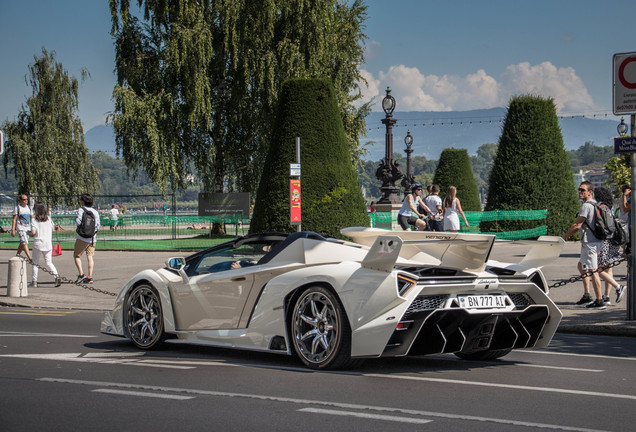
452	207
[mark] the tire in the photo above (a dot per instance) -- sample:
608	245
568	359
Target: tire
483	355
143	317
320	331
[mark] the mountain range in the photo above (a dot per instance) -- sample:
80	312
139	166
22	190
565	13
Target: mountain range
432	132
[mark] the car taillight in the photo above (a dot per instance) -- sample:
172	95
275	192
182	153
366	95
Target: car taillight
404	284
403	325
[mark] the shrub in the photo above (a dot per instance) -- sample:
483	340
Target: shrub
531	170
454	169
331	195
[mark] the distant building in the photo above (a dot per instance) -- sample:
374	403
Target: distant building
578	178
597	177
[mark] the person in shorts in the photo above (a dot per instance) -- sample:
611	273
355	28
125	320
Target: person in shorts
114	216
85	244
22	224
434	202
590	247
412	204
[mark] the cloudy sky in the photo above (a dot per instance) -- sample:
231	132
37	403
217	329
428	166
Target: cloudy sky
435	56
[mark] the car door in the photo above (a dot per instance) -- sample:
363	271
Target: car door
215	294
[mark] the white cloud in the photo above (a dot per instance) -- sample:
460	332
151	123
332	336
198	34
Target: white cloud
369	90
372	50
415	91
545	79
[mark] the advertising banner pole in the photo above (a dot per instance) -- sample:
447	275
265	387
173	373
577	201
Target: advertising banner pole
295	195
631	286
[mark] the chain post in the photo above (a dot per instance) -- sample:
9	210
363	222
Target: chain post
63	279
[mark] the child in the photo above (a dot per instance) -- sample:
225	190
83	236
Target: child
42	230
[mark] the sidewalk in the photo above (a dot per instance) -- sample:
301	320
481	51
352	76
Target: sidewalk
113	269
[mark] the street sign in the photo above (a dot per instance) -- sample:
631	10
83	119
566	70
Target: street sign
294	170
625	145
624	83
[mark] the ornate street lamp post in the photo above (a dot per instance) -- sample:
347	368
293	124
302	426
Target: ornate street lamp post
409	179
622	128
389	171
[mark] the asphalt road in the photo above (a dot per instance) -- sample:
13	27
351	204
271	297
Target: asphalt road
57	372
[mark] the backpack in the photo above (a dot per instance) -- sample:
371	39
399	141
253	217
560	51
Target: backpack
86	228
621	235
607	227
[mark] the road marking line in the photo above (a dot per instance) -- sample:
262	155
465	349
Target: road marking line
507	386
313	403
114	354
366	416
560	368
27	311
576	355
189	362
78	357
53	314
142	394
31	334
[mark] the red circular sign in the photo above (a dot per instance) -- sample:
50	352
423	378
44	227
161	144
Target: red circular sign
621	73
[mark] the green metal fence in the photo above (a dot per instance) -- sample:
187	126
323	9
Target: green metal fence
142	232
385	219
189	232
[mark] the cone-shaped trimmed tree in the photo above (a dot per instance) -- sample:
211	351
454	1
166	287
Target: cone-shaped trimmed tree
531	170
454	169
331	195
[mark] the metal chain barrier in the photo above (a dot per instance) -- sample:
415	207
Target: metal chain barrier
21	278
63	279
586	274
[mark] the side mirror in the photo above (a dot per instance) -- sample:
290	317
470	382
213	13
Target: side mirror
178	264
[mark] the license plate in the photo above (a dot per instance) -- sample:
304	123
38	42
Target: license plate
482	301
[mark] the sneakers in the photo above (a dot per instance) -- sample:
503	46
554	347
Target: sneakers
88	280
58	281
606	301
620	291
34	284
585	300
596	304
80	278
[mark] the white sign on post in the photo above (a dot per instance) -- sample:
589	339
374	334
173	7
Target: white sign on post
624	77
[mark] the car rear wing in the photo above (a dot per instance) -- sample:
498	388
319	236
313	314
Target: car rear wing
454	250
468	252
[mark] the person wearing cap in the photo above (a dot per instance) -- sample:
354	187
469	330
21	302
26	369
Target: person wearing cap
412	202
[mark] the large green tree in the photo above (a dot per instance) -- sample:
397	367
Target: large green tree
454	169
197	81
331	195
531	170
45	145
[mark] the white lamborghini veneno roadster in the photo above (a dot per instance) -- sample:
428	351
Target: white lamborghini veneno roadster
333	302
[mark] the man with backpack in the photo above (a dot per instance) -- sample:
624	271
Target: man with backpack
590	247
87	221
